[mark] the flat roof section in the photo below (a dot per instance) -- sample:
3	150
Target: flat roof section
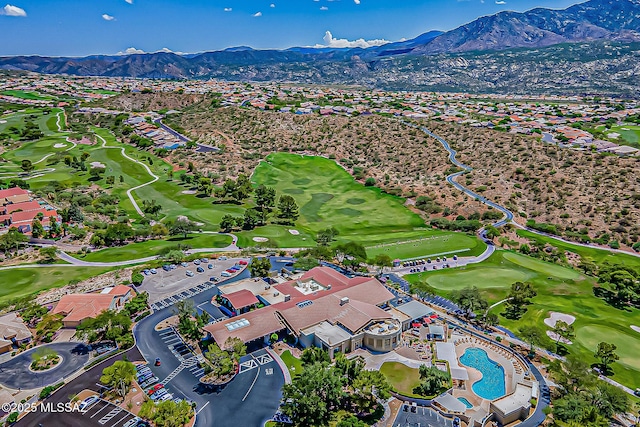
415	309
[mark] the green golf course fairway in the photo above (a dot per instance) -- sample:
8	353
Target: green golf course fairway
328	196
153	247
19	282
559	289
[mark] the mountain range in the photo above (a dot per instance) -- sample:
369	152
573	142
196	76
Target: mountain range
593	22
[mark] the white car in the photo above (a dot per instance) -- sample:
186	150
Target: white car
88	402
190	273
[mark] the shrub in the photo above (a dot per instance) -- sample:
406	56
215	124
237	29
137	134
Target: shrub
13	417
46	392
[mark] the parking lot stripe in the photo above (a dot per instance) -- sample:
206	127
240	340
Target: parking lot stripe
120	420
99	410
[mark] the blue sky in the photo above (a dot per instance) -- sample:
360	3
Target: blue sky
85	27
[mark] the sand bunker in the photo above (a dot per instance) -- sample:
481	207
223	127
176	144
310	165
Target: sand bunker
294	232
555	316
58	145
2	122
260	239
189	192
555	337
635	328
98	165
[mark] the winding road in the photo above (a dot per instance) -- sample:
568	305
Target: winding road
508	215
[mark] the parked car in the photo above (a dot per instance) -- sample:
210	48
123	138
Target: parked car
210	266
196	262
88	402
223	258
183	264
225	274
167	396
133	422
204	260
153	271
242	262
146	272
155	388
157	363
166	267
213	279
141	366
190	273
200	270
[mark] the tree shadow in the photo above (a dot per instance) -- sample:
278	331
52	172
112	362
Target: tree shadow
610	298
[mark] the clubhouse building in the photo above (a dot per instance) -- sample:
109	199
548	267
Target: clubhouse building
322	308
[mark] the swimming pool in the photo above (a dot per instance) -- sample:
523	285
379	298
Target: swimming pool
466	402
491	385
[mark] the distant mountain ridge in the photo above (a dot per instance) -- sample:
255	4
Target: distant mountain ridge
594	21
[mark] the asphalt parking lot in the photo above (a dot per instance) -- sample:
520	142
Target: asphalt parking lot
102	414
423	417
165	284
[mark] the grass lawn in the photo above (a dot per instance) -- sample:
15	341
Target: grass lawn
559	289
153	247
596	255
22	94
629	134
294	364
329	197
25	281
402	378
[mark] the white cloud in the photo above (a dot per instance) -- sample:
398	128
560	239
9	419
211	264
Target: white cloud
330	41
11	10
272	5
324	8
501	2
129	1
107	17
136	51
227	9
356	1
257	15
131	51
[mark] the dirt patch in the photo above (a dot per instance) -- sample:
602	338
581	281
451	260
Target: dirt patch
111	278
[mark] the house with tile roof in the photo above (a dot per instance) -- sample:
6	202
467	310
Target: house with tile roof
13	332
78	307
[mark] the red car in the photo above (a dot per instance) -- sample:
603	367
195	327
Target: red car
154	389
242	262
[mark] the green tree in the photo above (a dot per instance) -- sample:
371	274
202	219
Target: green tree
220	360
606	352
288	209
327	236
227	223
260	267
265	197
107	326
563	330
369	389
492	232
432	381
312	396
470	300
37	230
351	254
518	299
351	421
182	225
305	263
313	355
381	261
12	239
250	219
174	256
27	166
167	413
532	335
48	253
120	376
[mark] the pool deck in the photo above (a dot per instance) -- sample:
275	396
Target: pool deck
513	369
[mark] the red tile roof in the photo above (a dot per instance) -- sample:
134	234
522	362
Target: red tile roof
14	191
241	299
23	206
77	307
